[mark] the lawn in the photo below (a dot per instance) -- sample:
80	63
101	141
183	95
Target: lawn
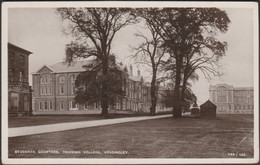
158	138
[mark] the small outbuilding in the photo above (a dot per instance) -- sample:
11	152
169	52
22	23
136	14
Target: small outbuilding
195	110
208	110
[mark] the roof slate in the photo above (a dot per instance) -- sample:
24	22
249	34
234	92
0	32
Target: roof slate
76	66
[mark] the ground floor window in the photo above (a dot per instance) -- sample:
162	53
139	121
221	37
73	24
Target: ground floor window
73	105
86	106
40	106
118	104
61	105
50	105
46	105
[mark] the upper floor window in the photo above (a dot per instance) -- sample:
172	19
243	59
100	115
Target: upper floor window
20	76
61	90
73	78
11	56
21	59
62	79
73	90
49	80
42	80
11	74
46	80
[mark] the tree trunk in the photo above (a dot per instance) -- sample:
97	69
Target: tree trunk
153	95
183	89
104	100
176	106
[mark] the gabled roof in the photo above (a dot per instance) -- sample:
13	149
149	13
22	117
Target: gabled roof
135	78
18	48
208	104
76	66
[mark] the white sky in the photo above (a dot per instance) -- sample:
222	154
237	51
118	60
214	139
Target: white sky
40	31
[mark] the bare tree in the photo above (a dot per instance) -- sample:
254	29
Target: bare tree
150	52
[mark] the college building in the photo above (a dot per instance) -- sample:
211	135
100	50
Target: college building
19	91
54	91
232	100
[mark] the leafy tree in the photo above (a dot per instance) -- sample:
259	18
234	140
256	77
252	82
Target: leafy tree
188	32
89	83
94	30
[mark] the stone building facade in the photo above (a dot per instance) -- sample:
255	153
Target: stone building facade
54	92
19	91
232	100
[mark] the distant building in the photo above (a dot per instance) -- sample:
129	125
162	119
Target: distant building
19	91
232	100
54	92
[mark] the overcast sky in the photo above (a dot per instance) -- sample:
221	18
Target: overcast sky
40	31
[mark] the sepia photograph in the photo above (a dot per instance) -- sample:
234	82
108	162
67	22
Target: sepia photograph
130	82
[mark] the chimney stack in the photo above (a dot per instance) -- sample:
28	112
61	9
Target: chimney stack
131	70
138	72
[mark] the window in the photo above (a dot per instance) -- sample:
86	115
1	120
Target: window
61	105
11	74
50	106
50	80
42	80
73	105
235	107
62	79
21	59
95	105
46	90
12	56
73	78
41	90
61	90
20	76
73	90
86	106
46	80
50	90
117	104
45	105
40	106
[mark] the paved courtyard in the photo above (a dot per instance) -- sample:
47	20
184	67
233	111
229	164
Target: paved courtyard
227	136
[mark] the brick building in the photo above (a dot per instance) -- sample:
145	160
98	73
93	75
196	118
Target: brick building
54	92
19	91
232	100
